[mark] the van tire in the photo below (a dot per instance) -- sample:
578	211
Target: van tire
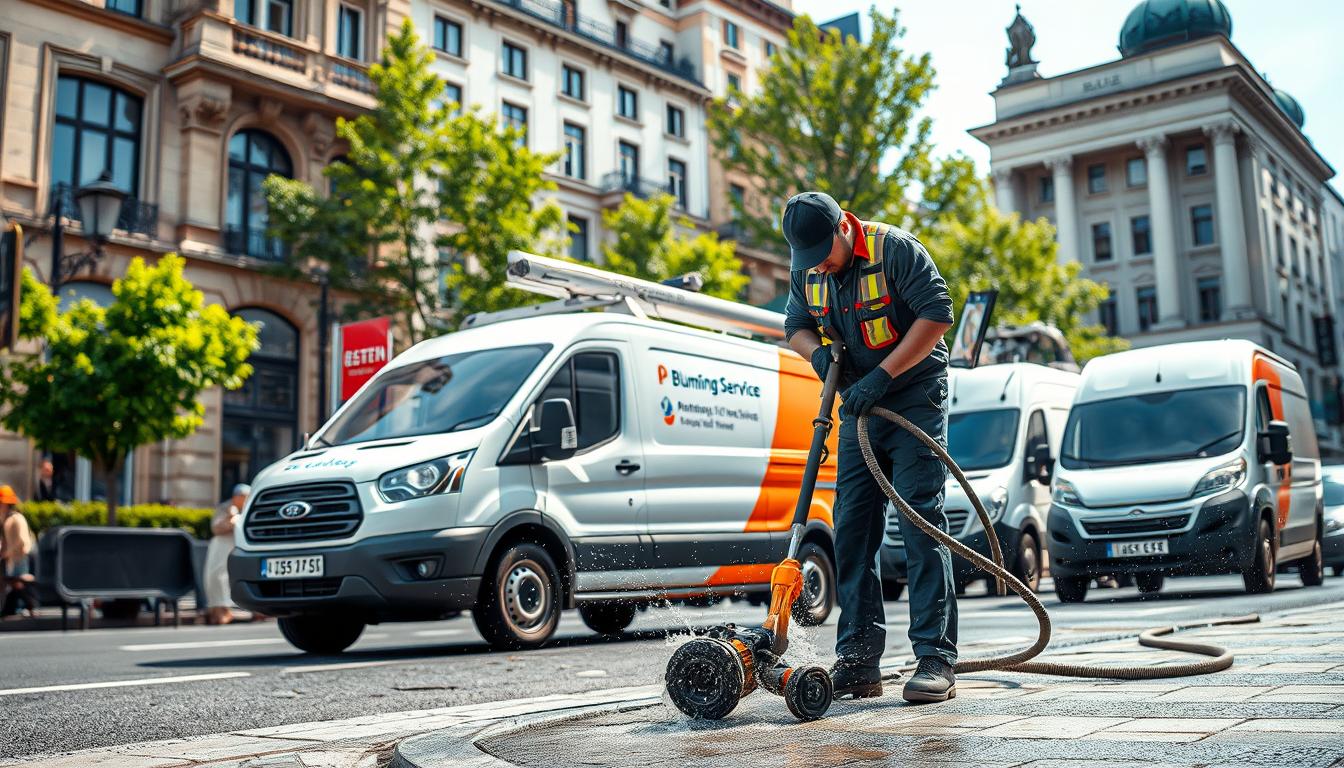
321	635
1027	565
813	606
892	590
1312	568
1149	583
1071	589
519	604
607	618
1259	577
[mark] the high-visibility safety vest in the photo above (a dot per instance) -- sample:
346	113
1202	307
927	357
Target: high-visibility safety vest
881	316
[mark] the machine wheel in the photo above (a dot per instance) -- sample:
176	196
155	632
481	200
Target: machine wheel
1259	578
706	679
607	618
322	635
808	693
892	590
1027	566
1071	589
1149	582
1312	568
813	606
519	606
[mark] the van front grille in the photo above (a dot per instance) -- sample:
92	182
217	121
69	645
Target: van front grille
956	523
334	512
1130	526
282	588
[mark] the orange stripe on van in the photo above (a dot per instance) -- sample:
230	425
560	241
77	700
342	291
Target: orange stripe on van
740	574
1262	369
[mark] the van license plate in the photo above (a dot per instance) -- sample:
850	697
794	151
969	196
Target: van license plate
292	567
1136	548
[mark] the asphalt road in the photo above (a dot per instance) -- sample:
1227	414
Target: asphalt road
64	691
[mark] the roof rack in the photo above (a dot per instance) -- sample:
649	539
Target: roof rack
578	287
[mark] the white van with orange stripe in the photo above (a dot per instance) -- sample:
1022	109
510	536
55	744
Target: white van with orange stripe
592	460
1187	459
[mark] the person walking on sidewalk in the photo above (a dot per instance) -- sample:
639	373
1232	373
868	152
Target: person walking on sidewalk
874	288
218	603
16	542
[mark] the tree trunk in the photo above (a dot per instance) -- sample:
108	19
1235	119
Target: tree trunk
112	481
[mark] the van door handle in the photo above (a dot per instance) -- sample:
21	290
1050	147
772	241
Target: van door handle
626	467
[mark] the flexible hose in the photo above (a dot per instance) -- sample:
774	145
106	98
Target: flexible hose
1220	658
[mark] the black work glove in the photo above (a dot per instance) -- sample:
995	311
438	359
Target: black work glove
821	361
865	393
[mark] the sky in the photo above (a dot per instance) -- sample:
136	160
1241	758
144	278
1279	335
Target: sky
1296	43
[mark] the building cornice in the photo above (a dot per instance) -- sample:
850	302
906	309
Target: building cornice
104	19
778	17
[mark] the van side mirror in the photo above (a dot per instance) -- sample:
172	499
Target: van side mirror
1040	467
1275	444
556	436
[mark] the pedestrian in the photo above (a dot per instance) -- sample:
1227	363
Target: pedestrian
16	542
219	607
46	482
875	289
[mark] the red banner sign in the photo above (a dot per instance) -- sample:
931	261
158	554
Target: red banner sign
365	348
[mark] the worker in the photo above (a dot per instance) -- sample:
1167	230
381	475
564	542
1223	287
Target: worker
875	289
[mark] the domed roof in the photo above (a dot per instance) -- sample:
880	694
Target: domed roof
1290	107
1158	23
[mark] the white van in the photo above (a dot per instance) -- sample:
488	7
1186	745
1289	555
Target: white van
1187	459
592	460
1004	426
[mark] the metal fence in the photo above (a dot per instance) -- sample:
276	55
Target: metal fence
137	216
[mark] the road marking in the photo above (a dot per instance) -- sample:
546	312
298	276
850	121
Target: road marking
222	643
439	632
125	683
348	665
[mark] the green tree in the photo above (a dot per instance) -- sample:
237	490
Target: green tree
646	243
117	377
413	163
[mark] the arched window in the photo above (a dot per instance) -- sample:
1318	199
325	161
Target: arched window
261	419
253	155
97	129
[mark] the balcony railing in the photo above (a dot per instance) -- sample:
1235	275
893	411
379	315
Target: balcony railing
136	217
254	243
568	19
258	45
351	75
616	181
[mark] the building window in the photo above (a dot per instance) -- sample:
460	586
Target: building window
1210	299
739	195
1101	241
576	152
515	117
271	15
676	181
448	36
571	83
1147	301
1301	322
515	61
1201	224
734	85
1140	231
260	421
665	3
452	97
253	155
1292	256
350	33
128	7
622	35
1108	316
676	121
1278	245
1196	162
769	49
1096	179
97	129
1047	189
666	52
578	238
730	34
1136	171
629	163
627	102
1283	312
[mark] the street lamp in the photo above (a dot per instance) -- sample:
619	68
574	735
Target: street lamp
322	273
99	206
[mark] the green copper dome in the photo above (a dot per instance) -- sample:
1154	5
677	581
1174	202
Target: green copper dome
1290	107
1158	23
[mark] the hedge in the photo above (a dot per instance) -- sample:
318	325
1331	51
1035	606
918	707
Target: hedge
48	514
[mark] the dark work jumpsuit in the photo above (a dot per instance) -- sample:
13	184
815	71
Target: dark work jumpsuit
916	290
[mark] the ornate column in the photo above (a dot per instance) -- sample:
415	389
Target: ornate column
1169	311
1005	196
203	106
1268	273
1231	221
1066	211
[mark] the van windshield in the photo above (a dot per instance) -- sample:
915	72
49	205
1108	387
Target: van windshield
982	439
447	394
1159	426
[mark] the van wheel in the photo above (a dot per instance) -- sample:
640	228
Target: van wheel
1149	582
519	606
607	618
1071	589
892	590
1259	578
813	606
322	635
1312	569
1026	567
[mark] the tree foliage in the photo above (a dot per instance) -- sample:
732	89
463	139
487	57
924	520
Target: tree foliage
647	243
117	377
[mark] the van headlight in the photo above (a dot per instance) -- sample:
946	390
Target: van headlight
429	477
1221	478
998	502
1064	493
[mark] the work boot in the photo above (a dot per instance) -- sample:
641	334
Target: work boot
855	681
933	681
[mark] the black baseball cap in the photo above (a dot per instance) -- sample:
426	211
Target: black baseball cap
811	221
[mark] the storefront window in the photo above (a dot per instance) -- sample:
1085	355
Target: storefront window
261	419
